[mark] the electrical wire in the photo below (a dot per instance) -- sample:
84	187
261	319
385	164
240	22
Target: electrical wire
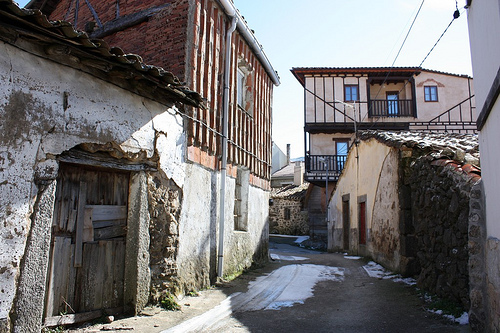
397	55
456	15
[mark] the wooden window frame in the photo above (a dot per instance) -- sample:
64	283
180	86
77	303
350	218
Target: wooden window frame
350	86
428	94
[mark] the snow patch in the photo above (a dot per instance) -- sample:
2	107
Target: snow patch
301	239
353	257
377	271
276	256
462	320
284	287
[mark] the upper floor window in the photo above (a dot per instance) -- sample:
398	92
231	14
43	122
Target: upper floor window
351	93
431	93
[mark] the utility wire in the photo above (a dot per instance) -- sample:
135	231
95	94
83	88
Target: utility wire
456	15
400	48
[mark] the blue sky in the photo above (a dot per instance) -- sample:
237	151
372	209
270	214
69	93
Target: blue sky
353	33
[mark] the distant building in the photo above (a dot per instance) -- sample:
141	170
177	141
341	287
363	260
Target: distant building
339	102
279	159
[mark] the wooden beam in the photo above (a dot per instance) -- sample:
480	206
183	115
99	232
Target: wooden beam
80	221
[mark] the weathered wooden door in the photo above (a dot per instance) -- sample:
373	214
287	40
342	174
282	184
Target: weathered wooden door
88	241
346	223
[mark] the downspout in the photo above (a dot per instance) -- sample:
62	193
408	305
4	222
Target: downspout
225	110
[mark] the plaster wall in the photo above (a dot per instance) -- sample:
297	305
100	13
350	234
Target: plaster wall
374	175
324	144
46	109
484	24
452	90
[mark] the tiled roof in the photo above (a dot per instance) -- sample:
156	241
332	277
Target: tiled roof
286	171
300	72
293	192
30	30
458	149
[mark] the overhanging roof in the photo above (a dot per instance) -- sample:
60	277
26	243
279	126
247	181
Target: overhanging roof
301	72
58	41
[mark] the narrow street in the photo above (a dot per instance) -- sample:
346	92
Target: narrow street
299	291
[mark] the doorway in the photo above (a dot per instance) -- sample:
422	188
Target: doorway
346	221
89	229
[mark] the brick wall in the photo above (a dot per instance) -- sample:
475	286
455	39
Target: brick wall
187	38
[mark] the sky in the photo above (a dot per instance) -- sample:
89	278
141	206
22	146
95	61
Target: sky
354	33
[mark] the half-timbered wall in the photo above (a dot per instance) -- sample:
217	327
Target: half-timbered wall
188	38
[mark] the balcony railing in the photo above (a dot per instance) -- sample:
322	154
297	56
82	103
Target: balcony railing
391	108
317	165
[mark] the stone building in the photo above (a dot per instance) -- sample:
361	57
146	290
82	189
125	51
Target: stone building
404	199
484	24
112	172
288	214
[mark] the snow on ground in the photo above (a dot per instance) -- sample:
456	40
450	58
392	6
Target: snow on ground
377	271
301	239
284	287
353	257
276	256
462	320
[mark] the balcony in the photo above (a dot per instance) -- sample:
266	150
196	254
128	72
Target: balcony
317	166
392	108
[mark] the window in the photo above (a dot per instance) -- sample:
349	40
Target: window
392	103
241	87
342	147
431	93
351	93
287	213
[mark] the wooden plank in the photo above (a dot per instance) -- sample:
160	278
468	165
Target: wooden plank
70	319
118	272
59	276
88	228
108	212
107	286
99	269
110	232
80	224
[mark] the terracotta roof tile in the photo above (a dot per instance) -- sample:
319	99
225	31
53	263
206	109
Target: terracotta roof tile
126	70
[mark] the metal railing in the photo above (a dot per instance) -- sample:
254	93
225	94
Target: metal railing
317	165
460	118
391	108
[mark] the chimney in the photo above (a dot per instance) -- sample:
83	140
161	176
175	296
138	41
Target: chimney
298	173
287	154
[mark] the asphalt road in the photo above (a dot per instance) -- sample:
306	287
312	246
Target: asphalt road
299	291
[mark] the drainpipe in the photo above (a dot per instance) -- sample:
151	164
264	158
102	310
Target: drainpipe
225	111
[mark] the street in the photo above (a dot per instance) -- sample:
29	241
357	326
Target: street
299	291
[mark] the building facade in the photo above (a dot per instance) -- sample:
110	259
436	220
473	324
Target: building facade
340	102
484	23
109	199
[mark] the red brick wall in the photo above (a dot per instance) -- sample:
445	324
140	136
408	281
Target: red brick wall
187	38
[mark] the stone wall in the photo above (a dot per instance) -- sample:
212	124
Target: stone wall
164	209
296	224
434	225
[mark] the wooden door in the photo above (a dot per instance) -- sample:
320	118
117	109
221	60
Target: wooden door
88	241
346	221
362	223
